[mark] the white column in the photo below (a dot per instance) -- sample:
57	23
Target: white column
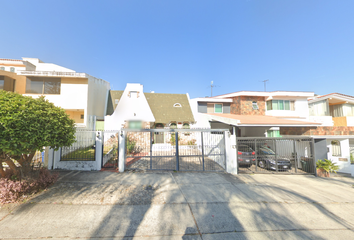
56	158
121	150
49	157
99	149
230	146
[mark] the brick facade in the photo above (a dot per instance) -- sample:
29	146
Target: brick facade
242	105
320	131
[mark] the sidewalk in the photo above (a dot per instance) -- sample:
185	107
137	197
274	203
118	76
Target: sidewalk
186	205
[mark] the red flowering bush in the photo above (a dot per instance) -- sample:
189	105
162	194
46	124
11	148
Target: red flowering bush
12	190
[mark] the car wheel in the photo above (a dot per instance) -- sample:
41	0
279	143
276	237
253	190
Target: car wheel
261	164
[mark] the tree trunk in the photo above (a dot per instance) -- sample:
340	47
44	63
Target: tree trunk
2	172
12	166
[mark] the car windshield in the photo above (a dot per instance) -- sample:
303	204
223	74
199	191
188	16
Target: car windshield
244	148
267	151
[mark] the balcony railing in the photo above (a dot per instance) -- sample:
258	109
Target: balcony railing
52	73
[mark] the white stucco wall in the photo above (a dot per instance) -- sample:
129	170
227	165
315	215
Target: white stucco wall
301	109
325	120
98	90
350	121
201	120
130	109
345	153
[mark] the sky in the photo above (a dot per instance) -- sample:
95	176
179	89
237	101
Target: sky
180	46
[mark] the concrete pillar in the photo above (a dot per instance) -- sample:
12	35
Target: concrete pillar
56	158
121	151
99	150
49	154
231	158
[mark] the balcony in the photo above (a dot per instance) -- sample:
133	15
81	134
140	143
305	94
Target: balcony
52	74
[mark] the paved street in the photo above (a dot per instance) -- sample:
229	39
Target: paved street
186	205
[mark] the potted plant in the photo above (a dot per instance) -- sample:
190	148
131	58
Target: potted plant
325	167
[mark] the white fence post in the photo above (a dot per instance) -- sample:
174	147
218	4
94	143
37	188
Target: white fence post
56	158
121	150
99	149
231	159
50	157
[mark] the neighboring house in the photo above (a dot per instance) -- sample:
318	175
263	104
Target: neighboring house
134	109
254	114
82	96
336	113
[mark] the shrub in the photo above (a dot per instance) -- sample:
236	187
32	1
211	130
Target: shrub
192	142
173	139
327	165
12	190
131	143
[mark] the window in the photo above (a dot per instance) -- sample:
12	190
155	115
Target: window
186	126
2	83
116	101
273	133
254	105
336	151
2	68
218	108
40	85
82	116
173	125
12	69
281	105
135	125
133	94
177	105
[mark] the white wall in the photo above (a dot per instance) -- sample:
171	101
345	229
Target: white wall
325	120
301	109
98	90
130	108
201	119
345	150
350	121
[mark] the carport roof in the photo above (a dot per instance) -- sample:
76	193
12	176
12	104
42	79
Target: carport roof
257	120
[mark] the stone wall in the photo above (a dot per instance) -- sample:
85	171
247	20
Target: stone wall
321	131
242	105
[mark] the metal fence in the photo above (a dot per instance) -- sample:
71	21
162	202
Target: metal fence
83	149
276	155
175	149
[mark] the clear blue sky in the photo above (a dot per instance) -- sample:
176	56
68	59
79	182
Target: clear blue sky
179	46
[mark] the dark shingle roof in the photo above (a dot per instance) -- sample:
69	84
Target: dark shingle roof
162	106
111	105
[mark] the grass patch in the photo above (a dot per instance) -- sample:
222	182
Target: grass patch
84	154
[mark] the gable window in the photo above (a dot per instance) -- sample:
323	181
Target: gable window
12	69
173	125
177	105
116	101
336	151
281	105
133	94
135	125
43	85
186	126
254	105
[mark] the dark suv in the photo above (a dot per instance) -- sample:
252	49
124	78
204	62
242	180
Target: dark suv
245	156
268	159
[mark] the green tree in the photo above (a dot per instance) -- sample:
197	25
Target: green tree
27	125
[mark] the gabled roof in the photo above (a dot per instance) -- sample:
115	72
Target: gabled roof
339	96
111	104
161	105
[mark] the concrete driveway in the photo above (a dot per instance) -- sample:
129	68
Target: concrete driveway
186	205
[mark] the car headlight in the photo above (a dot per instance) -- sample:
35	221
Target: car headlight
272	161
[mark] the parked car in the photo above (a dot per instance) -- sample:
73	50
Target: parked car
268	159
245	156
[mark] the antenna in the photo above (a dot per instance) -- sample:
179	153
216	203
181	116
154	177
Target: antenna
211	88
265	83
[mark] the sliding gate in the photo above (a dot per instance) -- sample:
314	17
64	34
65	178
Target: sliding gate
287	155
180	150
